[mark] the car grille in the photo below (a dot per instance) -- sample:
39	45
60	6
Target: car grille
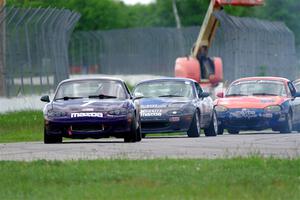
89	127
155	125
246	122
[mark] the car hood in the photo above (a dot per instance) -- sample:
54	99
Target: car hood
163	102
250	101
89	105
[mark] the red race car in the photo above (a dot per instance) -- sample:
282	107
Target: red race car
258	103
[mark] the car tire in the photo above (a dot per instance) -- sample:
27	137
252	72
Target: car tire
131	136
135	133
233	131
212	130
139	133
220	130
296	128
51	139
288	124
195	128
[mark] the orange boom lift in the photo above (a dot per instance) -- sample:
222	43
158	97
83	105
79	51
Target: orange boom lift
198	66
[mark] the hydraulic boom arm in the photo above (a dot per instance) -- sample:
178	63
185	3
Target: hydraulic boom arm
210	23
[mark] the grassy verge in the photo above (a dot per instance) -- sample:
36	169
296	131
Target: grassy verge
21	126
27	126
252	178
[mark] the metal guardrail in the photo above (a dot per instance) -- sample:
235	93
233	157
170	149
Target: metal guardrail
35	51
248	47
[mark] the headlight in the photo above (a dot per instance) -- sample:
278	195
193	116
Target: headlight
221	109
273	109
122	111
55	113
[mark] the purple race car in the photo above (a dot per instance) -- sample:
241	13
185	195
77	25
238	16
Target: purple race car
91	108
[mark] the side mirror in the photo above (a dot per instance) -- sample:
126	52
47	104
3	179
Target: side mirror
137	96
297	94
204	95
45	98
220	94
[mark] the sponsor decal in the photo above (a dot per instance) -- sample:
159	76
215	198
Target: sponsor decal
244	113
74	115
151	113
267	101
267	115
154	106
87	109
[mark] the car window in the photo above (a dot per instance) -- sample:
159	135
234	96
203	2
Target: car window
297	86
257	87
165	89
91	88
198	89
292	88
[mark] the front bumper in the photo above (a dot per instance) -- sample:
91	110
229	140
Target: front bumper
166	123
250	119
89	127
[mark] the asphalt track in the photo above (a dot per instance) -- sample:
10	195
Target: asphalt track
225	146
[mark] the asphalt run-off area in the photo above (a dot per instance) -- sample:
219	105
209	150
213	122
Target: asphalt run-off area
223	146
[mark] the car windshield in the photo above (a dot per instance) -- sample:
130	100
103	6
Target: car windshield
257	88
102	89
297	86
171	89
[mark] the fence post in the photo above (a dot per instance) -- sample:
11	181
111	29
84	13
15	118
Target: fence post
2	49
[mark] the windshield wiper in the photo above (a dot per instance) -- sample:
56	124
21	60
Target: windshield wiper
170	95
102	96
67	98
235	95
265	94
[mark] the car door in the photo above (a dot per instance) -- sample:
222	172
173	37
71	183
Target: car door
205	106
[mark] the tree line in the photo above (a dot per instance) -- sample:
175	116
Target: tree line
114	14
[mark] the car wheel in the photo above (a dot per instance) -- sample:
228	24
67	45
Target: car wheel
212	130
139	133
288	124
134	134
220	129
297	128
50	139
131	136
195	128
233	131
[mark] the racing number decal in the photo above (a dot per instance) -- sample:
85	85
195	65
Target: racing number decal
151	113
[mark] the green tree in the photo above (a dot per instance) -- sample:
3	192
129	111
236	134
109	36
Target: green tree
112	14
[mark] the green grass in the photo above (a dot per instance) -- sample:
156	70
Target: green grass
252	178
21	126
27	126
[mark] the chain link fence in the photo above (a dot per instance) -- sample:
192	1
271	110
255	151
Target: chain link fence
251	47
248	47
35	49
